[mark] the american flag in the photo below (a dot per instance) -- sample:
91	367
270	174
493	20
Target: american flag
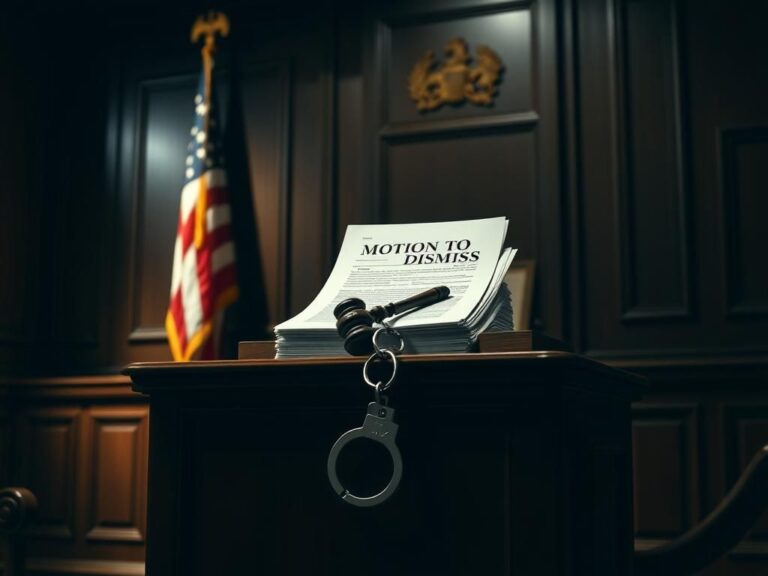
204	282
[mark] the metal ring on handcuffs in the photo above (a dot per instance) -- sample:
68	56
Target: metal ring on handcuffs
378	427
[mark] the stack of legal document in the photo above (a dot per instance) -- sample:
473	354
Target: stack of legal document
386	263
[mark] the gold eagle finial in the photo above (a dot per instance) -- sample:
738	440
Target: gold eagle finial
209	26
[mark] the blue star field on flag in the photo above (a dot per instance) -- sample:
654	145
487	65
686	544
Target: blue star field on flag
204	149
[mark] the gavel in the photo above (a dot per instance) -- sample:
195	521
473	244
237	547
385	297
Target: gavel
354	323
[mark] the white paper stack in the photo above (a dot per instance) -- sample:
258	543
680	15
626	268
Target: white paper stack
386	263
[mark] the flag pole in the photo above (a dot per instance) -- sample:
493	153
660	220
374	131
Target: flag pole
208	27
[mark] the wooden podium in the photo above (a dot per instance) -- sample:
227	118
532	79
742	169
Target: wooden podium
513	463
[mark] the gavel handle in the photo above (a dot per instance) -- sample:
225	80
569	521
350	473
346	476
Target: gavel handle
420	300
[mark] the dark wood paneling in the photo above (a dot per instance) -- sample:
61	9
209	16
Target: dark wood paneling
652	219
719	414
67	567
266	97
744	182
80	443
654	108
665	443
293	474
48	454
52	242
20	226
164	118
746	429
610	492
473	171
77	219
353	123
466	161
311	237
4	444
632	172
117	494
654	92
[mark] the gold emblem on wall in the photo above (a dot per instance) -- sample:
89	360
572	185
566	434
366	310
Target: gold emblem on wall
455	81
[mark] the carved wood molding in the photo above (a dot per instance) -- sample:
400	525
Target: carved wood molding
631	158
458	126
669	433
49	446
117	499
733	196
74	387
84	567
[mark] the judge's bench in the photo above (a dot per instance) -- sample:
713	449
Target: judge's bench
513	463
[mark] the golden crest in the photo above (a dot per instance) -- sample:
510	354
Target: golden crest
455	81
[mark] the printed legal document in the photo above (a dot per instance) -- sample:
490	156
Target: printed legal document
388	262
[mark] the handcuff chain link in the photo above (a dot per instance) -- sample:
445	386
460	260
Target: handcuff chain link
383	354
389	331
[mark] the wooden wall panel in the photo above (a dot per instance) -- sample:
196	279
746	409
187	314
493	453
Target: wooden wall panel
166	111
466	161
715	418
658	190
744	182
289	472
4	444
312	175
48	464
67	567
77	220
52	243
473	171
633	177
351	129
266	95
117	491
19	195
652	187
80	444
665	443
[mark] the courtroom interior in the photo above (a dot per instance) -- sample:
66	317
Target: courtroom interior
626	141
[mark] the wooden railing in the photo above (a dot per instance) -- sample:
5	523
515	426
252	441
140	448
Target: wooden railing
718	533
17	509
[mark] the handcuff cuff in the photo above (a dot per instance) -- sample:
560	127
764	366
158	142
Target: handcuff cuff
379	424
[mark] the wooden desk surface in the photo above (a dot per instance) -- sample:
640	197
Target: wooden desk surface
499	368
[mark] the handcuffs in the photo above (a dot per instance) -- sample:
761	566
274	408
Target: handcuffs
378	426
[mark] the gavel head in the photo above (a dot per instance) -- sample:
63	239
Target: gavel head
355	324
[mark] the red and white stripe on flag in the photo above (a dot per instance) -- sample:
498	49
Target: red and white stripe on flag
204	281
